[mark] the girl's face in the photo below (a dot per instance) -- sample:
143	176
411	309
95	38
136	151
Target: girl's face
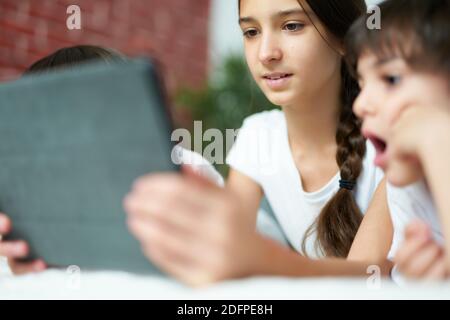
286	55
388	88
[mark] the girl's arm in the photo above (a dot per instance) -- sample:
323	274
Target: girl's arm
370	247
435	156
247	192
422	133
194	230
374	238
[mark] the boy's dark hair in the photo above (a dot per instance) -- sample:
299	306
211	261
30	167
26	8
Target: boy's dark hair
71	56
415	30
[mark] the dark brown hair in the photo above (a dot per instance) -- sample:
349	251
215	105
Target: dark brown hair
72	56
339	220
416	30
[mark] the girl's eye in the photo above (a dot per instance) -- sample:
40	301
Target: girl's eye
392	80
250	33
293	26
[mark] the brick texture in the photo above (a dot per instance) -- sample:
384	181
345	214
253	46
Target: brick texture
175	32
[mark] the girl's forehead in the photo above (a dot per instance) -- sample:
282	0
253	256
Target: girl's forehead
267	8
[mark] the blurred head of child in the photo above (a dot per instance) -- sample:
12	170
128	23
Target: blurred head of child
73	56
403	65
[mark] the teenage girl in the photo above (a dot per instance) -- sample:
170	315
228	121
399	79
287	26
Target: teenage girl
309	159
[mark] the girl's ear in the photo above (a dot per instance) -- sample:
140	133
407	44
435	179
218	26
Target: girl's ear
341	48
338	45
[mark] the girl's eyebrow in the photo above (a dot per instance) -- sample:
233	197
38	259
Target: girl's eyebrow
278	15
290	12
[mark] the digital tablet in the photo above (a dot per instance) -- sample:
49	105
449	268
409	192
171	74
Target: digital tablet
71	144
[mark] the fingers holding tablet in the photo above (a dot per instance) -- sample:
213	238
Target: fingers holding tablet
16	250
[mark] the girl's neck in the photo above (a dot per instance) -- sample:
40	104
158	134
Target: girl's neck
312	124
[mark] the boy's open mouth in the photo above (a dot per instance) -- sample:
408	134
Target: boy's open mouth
381	148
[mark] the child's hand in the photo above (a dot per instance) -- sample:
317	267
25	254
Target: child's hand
417	128
420	257
192	229
14	250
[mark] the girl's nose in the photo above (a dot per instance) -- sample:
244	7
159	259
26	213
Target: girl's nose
269	50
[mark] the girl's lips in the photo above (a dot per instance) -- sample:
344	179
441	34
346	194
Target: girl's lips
277	82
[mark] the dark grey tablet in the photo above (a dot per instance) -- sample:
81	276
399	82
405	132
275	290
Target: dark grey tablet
71	144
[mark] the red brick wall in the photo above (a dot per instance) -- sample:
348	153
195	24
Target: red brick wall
173	31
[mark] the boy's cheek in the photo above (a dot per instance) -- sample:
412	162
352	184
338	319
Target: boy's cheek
394	107
403	173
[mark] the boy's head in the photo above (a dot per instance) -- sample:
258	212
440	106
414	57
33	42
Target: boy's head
73	56
405	64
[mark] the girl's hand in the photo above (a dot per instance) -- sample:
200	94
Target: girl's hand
14	250
420	257
192	229
412	135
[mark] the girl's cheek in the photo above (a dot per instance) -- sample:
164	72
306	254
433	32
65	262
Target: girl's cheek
252	62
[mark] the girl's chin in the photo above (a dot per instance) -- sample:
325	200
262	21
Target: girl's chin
280	98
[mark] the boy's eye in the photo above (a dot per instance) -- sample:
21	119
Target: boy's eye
293	26
250	33
392	80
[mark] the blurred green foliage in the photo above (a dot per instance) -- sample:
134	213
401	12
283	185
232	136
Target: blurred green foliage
225	102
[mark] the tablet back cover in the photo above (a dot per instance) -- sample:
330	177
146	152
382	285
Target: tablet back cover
71	144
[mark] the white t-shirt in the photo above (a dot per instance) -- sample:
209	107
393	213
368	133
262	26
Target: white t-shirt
406	204
410	203
262	152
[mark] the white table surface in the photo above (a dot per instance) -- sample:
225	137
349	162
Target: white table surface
57	284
